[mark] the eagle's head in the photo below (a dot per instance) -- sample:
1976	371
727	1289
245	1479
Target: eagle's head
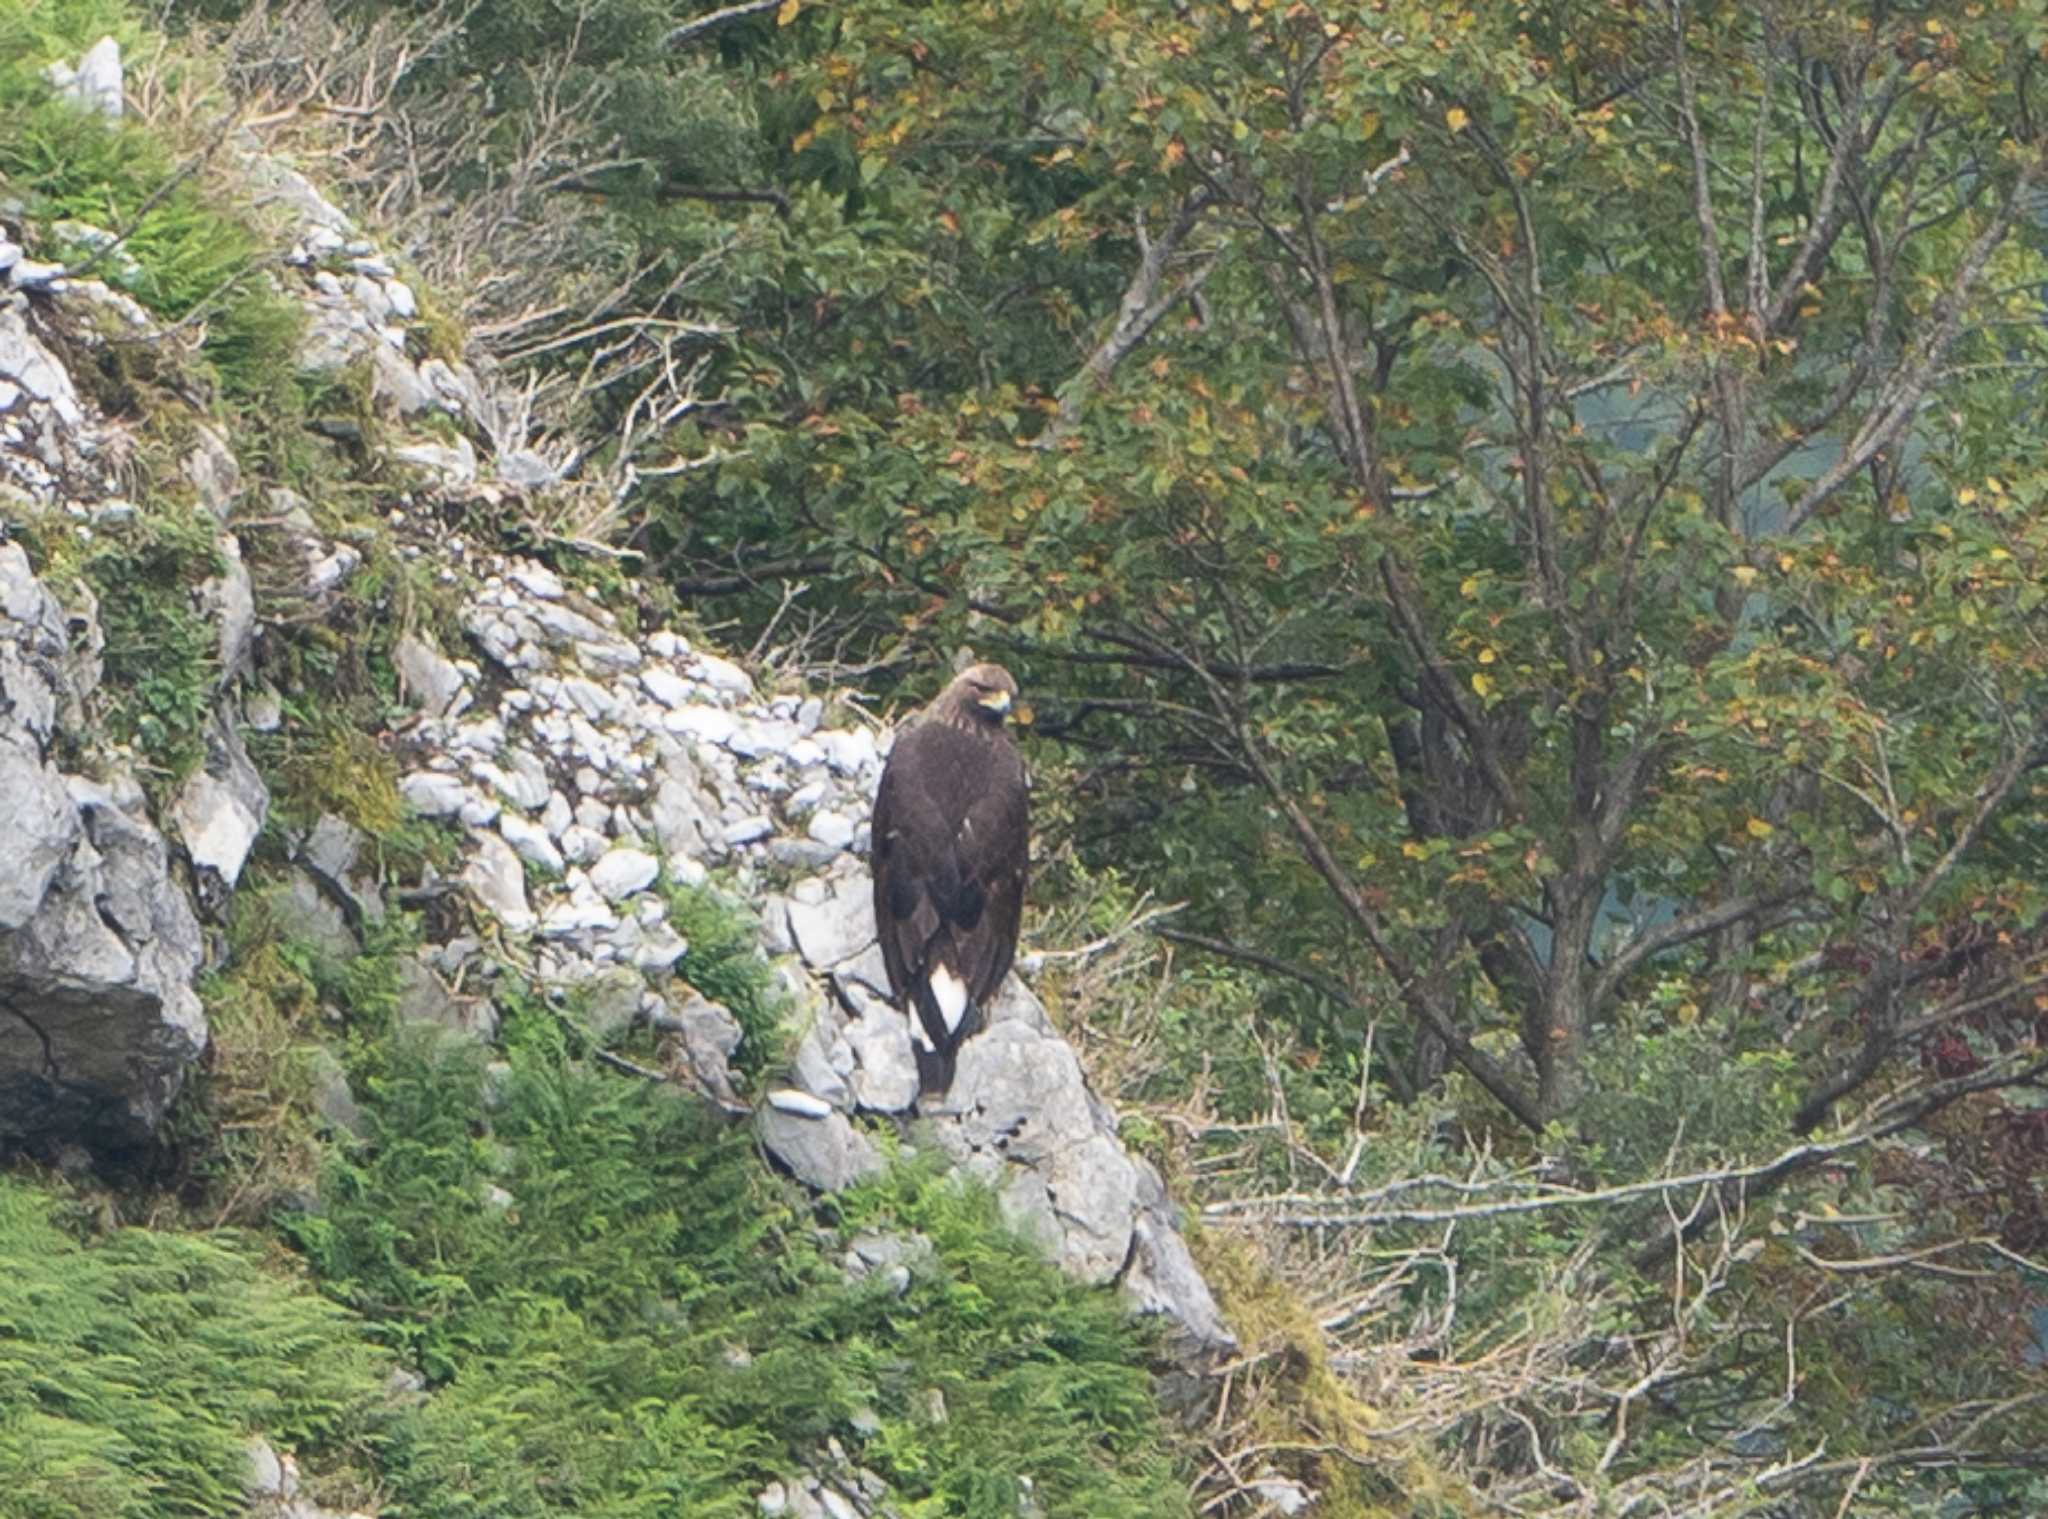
984	692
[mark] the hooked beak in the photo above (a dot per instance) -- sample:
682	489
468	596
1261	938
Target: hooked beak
997	702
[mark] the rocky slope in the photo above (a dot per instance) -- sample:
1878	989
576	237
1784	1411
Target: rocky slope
588	770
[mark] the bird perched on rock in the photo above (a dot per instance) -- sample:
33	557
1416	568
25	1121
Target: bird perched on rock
952	846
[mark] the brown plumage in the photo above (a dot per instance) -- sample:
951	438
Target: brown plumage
952	845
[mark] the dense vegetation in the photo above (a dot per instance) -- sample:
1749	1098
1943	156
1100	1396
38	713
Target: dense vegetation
1522	516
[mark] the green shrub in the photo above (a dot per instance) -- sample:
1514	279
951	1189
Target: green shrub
136	1369
642	1321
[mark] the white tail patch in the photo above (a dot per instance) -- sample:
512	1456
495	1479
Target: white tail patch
921	1036
950	993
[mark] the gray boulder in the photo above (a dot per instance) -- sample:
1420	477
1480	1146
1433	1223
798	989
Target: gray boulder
98	1019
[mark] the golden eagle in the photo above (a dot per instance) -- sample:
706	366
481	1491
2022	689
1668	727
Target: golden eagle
952	843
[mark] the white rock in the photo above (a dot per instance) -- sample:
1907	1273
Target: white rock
805	797
754	739
748	830
557	815
403	304
722	675
849	750
563	919
498	881
665	644
582	845
593	814
805	752
803	1104
537	580
710	725
831	829
479	812
624	871
687	870
432	794
665	686
588	781
589	698
810	714
532	842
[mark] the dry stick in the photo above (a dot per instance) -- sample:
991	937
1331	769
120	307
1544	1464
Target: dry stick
1799	1157
690	30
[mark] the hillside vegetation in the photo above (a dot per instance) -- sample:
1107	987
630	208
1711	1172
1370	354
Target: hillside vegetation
1520	530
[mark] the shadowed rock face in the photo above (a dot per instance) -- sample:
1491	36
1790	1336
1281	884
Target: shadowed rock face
98	941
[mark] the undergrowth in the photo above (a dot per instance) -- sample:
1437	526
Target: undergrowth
620	1312
136	1369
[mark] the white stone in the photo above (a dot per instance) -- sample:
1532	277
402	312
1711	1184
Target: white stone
557	815
723	675
479	812
849	750
403	304
748	830
497	879
432	794
537	580
831	829
563	919
754	739
582	845
710	725
803	1104
665	686
624	871
532	842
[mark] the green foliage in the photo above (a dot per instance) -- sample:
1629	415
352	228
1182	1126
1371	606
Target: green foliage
191	250
724	962
139	1366
162	650
641	1320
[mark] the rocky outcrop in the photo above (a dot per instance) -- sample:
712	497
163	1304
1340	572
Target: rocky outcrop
98	942
1020	1116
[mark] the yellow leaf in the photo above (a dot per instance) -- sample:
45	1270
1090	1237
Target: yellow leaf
786	13
1482	683
1469	587
1456	119
1414	851
1744	573
1965	496
1759	829
1486	656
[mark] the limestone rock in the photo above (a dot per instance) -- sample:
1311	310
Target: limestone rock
230	600
837	927
826	1152
98	1019
221	807
427	676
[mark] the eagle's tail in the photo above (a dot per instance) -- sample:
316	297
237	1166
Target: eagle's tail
935	1043
935	1071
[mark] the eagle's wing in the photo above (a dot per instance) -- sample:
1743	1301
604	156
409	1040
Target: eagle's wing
950	854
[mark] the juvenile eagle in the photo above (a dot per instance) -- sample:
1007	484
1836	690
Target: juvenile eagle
952	843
